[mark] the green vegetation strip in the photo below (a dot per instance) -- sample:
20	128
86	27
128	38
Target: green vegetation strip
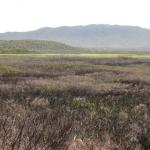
7	69
83	55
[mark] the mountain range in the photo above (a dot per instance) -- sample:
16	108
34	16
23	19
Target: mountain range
90	36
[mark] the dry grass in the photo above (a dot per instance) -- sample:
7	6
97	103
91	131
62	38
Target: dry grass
60	103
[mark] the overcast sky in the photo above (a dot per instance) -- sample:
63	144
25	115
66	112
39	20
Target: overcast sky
24	15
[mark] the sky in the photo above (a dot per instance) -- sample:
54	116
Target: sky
26	15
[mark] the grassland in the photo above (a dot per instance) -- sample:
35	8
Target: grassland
83	55
57	101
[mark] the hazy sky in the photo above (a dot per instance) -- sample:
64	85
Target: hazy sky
23	15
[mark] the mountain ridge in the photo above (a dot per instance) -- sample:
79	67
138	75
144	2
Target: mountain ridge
91	36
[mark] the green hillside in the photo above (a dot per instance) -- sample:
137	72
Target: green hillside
33	46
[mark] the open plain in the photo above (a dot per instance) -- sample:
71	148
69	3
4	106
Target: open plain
56	101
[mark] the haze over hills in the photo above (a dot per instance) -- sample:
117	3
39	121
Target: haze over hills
95	36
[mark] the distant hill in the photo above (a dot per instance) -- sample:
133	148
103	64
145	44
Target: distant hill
95	36
34	46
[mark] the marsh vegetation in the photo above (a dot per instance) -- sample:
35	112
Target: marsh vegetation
50	103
